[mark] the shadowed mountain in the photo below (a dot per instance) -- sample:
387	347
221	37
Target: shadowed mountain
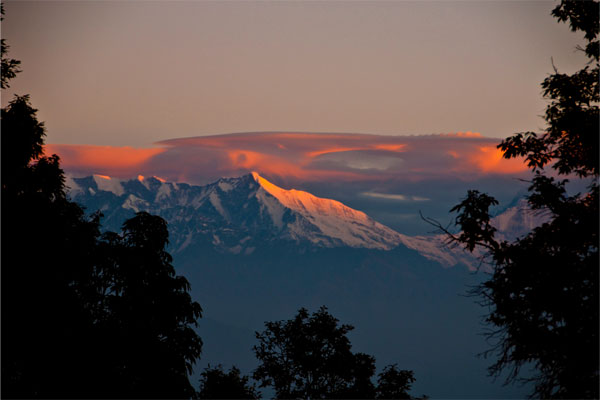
238	215
254	252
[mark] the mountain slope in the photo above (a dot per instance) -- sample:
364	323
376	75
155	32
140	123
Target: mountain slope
254	252
238	215
249	205
329	221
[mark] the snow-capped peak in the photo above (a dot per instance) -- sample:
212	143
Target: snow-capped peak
108	184
249	211
324	220
305	202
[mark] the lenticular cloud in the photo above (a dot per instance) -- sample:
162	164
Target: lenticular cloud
297	156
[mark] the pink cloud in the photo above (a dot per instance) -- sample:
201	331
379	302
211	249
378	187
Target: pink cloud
102	159
296	156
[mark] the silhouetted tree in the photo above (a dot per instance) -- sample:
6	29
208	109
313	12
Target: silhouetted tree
47	248
218	384
83	315
310	357
10	66
393	383
543	293
148	314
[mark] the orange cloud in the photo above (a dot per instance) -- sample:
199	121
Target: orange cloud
390	147
467	134
297	156
101	157
489	159
278	166
386	147
316	153
245	159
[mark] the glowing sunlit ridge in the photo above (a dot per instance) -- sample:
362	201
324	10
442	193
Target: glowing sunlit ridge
106	183
330	218
305	202
353	227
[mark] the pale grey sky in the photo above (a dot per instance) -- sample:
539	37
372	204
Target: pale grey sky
135	72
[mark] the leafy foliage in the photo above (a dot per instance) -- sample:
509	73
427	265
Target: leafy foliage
19	167
474	218
217	384
46	260
84	315
147	313
10	67
543	294
393	383
571	139
310	357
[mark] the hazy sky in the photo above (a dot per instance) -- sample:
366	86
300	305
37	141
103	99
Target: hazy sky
132	73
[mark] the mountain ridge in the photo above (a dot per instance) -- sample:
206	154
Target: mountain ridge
244	270
237	215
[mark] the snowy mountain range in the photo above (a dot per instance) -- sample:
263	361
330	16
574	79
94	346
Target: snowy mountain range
237	215
256	252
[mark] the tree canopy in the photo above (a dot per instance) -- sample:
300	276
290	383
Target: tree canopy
543	294
218	384
47	253
84	315
10	67
310	357
393	383
146	314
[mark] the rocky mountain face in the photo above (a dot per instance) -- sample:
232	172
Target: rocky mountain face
238	215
